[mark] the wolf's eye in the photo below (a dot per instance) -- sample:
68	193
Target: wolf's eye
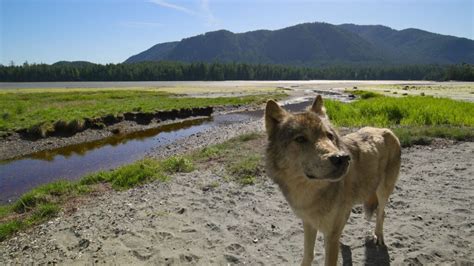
330	136
301	139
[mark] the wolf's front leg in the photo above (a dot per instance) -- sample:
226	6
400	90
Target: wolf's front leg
331	247
309	239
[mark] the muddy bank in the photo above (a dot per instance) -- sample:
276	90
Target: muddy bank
68	129
200	218
67	134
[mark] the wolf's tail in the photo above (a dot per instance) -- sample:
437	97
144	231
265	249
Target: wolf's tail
370	206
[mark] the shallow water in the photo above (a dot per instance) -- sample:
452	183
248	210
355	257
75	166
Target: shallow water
73	162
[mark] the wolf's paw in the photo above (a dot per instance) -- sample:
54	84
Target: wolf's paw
378	239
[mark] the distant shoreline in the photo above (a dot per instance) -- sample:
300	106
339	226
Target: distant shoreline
227	83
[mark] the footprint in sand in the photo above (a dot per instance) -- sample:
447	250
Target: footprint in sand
235	248
165	235
142	254
188	258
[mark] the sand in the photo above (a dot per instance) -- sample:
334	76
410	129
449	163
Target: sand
200	218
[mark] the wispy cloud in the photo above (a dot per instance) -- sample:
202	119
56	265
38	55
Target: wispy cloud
203	12
173	6
207	13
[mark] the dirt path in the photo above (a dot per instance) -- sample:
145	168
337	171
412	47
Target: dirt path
199	218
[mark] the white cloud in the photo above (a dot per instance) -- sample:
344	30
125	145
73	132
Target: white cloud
203	12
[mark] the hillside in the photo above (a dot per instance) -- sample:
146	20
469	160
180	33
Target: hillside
316	44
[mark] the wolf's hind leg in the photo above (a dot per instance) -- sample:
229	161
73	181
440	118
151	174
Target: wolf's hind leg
383	193
379	220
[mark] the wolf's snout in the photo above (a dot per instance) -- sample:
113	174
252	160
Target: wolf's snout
339	159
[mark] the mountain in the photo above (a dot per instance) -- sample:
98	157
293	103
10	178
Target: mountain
160	50
316	44
74	63
416	46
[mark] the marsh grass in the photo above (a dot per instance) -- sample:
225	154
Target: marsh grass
407	111
39	110
414	119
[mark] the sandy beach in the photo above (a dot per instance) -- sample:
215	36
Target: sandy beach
199	218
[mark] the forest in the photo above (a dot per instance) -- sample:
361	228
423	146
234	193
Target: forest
179	71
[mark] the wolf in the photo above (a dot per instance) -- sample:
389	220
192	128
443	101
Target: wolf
322	175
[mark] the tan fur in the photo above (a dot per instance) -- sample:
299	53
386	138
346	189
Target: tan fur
308	160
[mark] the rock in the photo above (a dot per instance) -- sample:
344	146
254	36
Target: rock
84	243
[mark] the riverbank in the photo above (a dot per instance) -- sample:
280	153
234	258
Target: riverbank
203	217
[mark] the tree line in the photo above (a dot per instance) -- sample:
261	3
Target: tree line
177	71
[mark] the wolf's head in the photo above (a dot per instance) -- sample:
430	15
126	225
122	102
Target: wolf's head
304	145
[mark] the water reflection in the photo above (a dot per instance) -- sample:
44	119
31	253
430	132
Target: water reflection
83	148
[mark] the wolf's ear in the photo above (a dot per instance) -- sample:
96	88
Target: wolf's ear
318	106
274	114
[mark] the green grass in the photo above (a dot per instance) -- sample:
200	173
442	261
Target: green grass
245	169
407	111
414	119
241	161
176	164
409	136
36	110
364	94
129	175
49	193
9	228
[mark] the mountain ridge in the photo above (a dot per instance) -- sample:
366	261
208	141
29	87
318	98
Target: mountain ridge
316	44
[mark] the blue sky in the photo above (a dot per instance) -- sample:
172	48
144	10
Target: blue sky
109	31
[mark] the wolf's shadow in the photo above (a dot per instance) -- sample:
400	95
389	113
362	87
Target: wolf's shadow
374	254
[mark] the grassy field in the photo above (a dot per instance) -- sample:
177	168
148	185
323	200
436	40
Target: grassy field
25	108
